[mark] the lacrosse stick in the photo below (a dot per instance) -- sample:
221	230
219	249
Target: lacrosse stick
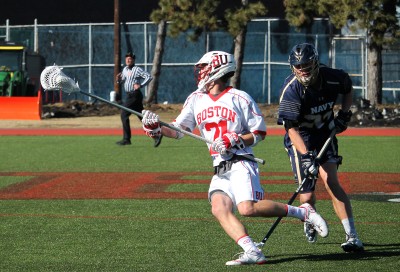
320	154
52	78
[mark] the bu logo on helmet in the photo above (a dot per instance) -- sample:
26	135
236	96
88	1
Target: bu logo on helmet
212	66
219	60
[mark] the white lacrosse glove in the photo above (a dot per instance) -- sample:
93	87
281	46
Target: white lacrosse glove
151	124
231	139
219	146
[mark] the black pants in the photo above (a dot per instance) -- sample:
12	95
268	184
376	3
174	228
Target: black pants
134	101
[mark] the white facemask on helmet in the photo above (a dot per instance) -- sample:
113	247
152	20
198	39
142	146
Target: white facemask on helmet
212	66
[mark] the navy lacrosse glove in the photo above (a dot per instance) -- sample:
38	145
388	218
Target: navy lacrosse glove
308	164
341	121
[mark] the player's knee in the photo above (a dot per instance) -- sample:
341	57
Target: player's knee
220	212
220	204
216	209
246	209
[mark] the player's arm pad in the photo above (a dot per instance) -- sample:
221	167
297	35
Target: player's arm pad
290	124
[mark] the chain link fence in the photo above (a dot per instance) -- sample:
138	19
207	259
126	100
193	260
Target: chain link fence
86	51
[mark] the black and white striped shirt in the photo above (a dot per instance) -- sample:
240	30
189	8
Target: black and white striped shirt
134	75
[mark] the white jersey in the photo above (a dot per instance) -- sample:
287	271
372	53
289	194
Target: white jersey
231	111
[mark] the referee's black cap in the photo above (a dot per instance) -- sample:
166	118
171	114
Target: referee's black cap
130	54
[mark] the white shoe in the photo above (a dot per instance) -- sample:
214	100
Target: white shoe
353	244
316	220
310	232
250	257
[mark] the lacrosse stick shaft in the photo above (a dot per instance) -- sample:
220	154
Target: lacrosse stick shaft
320	154
249	157
52	78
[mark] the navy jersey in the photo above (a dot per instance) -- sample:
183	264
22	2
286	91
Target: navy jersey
312	108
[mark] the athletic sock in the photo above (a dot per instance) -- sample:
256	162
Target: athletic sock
247	243
349	227
297	212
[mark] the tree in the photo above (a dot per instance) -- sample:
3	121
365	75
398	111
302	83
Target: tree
159	17
377	17
201	17
300	13
237	21
117	46
183	15
157	61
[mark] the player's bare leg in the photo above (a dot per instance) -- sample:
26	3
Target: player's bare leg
342	206
268	208
264	208
309	198
340	201
222	209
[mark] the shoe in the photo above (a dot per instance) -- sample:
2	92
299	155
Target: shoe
353	244
310	232
124	142
250	257
316	220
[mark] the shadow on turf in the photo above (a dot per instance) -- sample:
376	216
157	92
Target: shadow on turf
372	251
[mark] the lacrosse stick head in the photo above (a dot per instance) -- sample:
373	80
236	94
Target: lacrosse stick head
53	78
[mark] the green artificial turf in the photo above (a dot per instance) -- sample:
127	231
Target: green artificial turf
178	234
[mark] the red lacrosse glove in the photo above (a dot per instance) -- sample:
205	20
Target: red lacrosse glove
231	139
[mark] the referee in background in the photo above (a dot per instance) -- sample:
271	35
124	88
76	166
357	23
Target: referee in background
133	78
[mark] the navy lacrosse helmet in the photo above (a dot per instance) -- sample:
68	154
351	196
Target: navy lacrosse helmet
304	62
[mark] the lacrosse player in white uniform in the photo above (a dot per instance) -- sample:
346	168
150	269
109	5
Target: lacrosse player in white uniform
232	121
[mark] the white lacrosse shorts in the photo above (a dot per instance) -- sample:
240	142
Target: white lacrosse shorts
240	183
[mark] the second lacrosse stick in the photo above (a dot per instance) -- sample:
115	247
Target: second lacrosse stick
320	154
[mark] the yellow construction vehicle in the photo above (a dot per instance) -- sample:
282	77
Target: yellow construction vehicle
19	82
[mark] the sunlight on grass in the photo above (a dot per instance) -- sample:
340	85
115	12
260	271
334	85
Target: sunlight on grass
181	188
194	187
8	180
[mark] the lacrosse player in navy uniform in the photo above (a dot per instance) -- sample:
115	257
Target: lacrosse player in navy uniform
133	78
306	106
233	123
